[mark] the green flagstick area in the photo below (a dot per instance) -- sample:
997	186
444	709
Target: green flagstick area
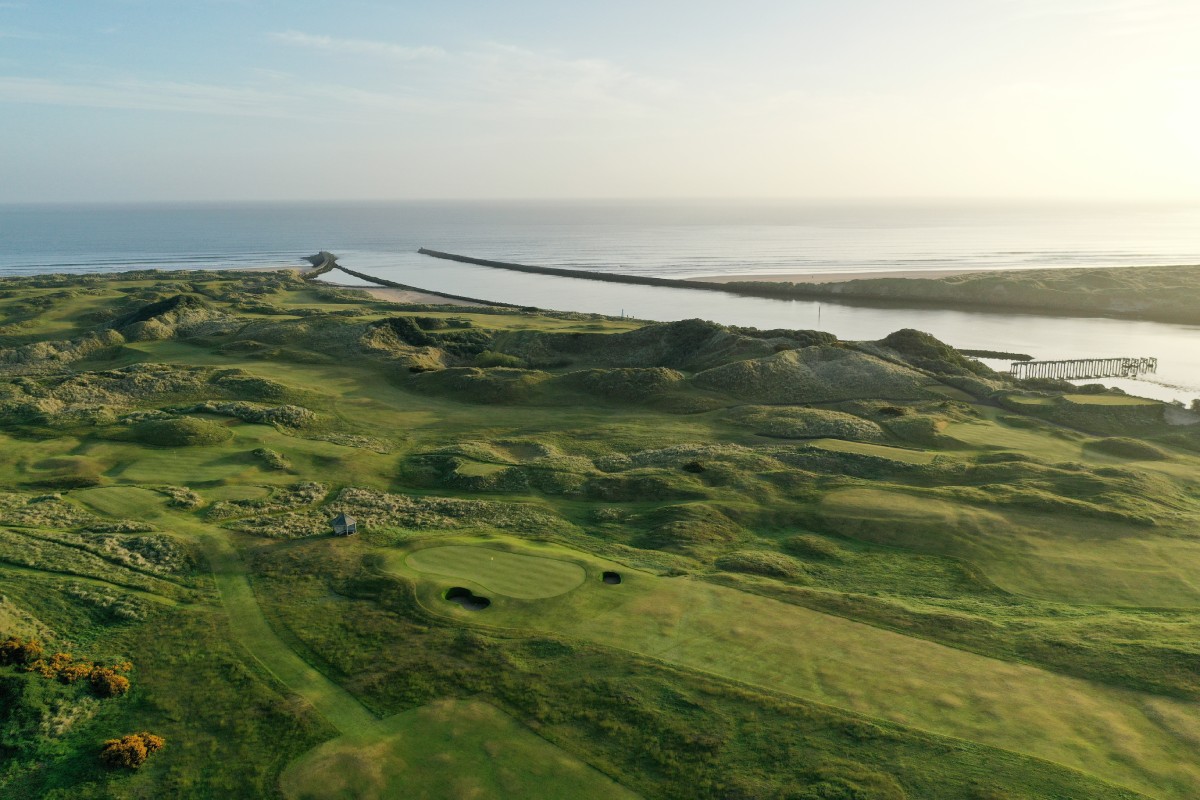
591	557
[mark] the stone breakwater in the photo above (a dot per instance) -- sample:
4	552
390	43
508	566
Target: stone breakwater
325	261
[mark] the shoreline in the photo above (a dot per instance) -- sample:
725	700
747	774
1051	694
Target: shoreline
840	277
407	296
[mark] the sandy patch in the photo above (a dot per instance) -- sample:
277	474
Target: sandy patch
835	277
406	296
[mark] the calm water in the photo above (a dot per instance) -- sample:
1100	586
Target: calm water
668	239
672	240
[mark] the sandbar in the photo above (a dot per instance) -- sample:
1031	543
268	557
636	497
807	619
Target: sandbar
837	277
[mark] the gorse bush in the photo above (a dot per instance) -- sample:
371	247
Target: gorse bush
63	667
131	751
19	651
107	683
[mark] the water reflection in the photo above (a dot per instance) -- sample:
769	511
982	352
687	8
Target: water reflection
1043	337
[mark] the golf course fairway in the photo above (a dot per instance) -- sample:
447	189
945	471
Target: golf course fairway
449	748
1129	738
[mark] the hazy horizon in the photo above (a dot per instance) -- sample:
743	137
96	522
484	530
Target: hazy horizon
862	101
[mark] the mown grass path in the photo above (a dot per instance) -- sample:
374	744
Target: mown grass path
246	619
252	630
475	749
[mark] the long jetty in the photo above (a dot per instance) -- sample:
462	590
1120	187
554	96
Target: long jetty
1122	367
326	261
592	275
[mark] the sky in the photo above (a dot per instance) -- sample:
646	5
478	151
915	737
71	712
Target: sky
210	100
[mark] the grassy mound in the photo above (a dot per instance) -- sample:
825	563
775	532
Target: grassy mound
927	352
761	562
1124	447
180	432
688	528
690	344
810	546
805	423
492	385
813	375
628	385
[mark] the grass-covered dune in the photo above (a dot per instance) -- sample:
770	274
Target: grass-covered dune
596	557
1165	294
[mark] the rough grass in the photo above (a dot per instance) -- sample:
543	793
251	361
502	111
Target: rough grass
1056	557
805	423
875	451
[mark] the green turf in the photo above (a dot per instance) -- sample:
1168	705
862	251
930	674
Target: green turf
251	629
477	469
128	502
450	748
1107	400
1010	608
1113	734
876	450
518	575
1032	554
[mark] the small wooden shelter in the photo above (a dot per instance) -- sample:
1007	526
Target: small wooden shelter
344	525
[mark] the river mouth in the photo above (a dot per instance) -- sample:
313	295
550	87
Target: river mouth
1042	335
611	578
466	598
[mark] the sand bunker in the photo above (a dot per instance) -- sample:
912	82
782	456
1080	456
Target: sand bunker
466	598
611	578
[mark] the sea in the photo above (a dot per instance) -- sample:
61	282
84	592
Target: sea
667	239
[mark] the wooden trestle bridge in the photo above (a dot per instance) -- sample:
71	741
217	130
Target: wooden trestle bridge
1085	368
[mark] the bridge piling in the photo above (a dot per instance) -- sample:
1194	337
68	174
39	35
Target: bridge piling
1083	368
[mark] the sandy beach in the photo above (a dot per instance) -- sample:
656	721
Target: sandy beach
406	296
379	293
837	277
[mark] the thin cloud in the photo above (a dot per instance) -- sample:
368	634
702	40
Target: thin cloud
145	96
367	47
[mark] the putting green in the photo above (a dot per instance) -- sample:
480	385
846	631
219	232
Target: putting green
525	577
449	748
184	466
126	502
1117	735
1108	400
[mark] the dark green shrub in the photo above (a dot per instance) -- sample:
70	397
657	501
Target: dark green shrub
490	358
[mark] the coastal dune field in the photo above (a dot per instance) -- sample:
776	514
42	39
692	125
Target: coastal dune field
595	557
